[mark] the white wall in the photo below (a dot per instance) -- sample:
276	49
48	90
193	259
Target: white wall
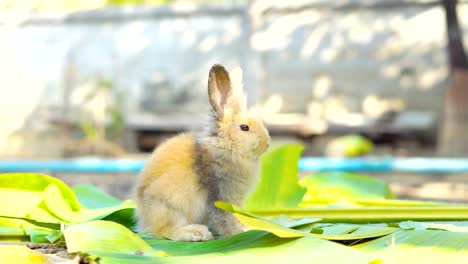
311	58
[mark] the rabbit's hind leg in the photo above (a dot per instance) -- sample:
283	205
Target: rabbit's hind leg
173	224
192	232
159	217
155	216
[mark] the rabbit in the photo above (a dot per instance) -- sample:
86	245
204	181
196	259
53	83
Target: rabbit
186	174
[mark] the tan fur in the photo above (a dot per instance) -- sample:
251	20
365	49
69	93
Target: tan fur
188	173
173	180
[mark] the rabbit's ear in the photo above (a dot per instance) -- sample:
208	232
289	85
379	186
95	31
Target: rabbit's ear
238	100
219	88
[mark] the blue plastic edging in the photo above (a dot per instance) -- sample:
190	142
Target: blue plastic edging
374	164
87	165
342	164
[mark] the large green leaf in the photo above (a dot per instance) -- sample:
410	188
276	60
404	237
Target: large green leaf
60	210
20	255
46	199
125	217
240	241
335	186
105	236
278	187
28	184
350	146
39	204
21	222
23	204
374	202
12	234
420	246
255	247
374	214
93	198
439	226
23	195
31	230
258	223
11	231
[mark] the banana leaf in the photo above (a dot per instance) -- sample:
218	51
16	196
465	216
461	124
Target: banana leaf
20	255
105	236
46	199
350	146
419	246
259	223
375	214
113	243
335	186
93	198
278	186
299	250
40	204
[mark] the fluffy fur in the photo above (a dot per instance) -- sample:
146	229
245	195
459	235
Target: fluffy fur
185	175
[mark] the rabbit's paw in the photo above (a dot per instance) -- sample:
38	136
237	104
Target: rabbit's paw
193	233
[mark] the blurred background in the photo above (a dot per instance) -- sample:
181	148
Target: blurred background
112	78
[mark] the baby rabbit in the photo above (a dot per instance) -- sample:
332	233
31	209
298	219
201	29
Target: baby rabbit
188	173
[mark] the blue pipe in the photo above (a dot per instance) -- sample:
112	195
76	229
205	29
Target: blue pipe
385	164
86	165
342	164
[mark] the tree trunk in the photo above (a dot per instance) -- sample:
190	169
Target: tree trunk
453	139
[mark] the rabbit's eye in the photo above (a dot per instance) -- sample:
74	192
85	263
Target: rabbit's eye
244	127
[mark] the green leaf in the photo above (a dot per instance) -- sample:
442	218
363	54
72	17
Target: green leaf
287	221
54	236
92	197
376	202
125	217
261	224
278	187
54	204
104	236
11	232
58	208
249	239
412	225
374	214
38	235
420	246
48	200
265	249
350	146
339	229
20	255
258	223
21	222
330	187
423	226
28	188
119	212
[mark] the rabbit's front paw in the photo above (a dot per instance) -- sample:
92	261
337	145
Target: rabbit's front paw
192	233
